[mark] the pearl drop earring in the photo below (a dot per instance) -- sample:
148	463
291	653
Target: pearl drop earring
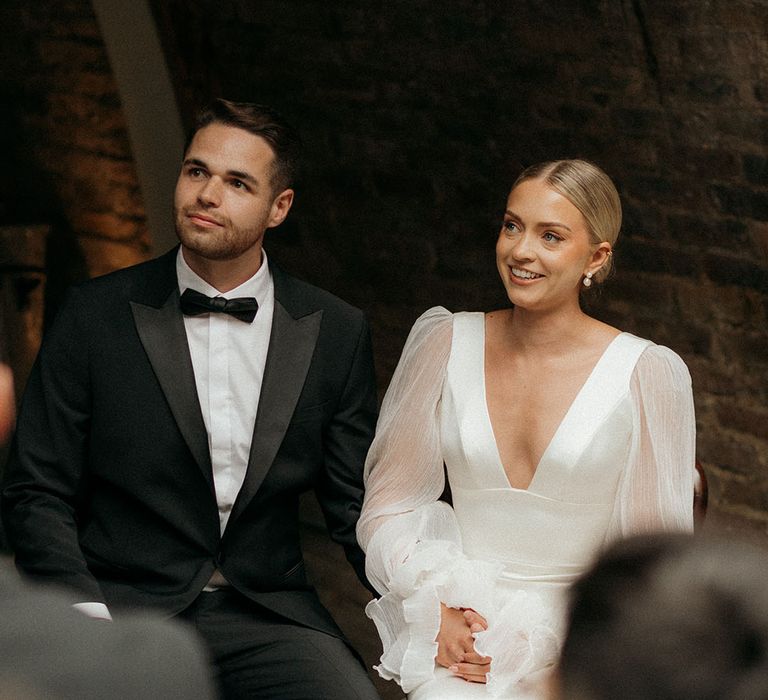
588	279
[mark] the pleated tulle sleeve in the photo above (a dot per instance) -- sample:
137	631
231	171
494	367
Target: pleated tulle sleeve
404	467
656	488
411	539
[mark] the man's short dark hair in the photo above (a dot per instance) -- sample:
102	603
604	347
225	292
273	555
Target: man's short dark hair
262	121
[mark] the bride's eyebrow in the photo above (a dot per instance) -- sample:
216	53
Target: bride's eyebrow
554	224
541	224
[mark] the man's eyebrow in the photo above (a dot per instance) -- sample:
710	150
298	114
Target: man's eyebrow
238	174
242	175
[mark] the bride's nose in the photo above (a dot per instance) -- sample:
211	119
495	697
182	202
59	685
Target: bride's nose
523	247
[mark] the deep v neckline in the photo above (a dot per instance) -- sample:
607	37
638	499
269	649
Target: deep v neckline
560	426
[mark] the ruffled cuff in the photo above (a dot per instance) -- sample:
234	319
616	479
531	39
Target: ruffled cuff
408	616
523	639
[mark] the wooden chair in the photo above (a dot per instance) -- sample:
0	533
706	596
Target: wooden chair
700	496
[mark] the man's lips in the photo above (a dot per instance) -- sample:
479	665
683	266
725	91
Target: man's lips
203	220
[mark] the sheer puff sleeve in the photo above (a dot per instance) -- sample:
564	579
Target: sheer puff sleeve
656	488
411	539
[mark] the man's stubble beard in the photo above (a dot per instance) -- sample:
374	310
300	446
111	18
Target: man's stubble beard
225	243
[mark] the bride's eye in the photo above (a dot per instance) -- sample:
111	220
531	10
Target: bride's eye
510	226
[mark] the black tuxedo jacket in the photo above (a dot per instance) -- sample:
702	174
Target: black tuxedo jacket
109	488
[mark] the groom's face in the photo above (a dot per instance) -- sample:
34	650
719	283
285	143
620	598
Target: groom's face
224	199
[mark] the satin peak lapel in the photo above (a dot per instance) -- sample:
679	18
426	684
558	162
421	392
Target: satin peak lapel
164	338
291	346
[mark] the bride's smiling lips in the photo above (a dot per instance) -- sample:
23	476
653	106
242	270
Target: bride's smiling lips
521	276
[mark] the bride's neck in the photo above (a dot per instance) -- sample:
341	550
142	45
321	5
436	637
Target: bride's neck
551	332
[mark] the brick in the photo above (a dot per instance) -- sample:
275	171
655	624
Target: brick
759	234
641	221
710	88
756	169
64	56
745	494
109	225
645	256
749	351
741	201
743	125
731	454
637	121
685	337
98	85
731	306
711	377
644	290
704	231
103	256
23	246
750	420
708	162
734	271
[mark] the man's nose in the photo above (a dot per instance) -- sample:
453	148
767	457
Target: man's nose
210	194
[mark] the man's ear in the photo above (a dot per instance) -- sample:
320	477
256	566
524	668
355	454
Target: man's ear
280	208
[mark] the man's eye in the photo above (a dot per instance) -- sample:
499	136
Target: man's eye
510	226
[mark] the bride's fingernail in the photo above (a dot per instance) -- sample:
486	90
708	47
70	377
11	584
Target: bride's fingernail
453	669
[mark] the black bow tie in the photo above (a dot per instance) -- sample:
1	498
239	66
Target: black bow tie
194	303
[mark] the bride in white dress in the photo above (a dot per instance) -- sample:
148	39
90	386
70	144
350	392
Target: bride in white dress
558	433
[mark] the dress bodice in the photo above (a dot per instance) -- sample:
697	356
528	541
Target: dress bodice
561	518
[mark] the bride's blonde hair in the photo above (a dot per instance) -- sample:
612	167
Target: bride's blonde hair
591	191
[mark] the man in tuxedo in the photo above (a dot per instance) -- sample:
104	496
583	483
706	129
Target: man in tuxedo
177	410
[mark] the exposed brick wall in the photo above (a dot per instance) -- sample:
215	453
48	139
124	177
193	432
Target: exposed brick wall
418	114
63	131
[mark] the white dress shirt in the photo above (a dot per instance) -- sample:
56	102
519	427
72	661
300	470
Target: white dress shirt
228	358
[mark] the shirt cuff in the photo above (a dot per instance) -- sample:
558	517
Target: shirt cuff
98	611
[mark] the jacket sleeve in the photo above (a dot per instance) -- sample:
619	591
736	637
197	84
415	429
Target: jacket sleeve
46	476
346	440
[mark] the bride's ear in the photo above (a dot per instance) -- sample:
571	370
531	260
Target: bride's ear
599	258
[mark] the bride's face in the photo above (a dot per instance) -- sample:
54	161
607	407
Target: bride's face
544	248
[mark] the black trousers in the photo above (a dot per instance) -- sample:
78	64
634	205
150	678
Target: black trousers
258	654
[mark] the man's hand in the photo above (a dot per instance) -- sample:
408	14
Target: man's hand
456	646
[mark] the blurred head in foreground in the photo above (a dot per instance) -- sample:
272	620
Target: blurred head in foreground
669	616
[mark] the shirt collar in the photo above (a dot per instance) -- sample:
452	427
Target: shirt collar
256	286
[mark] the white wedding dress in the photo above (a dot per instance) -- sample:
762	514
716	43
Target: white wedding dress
621	462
